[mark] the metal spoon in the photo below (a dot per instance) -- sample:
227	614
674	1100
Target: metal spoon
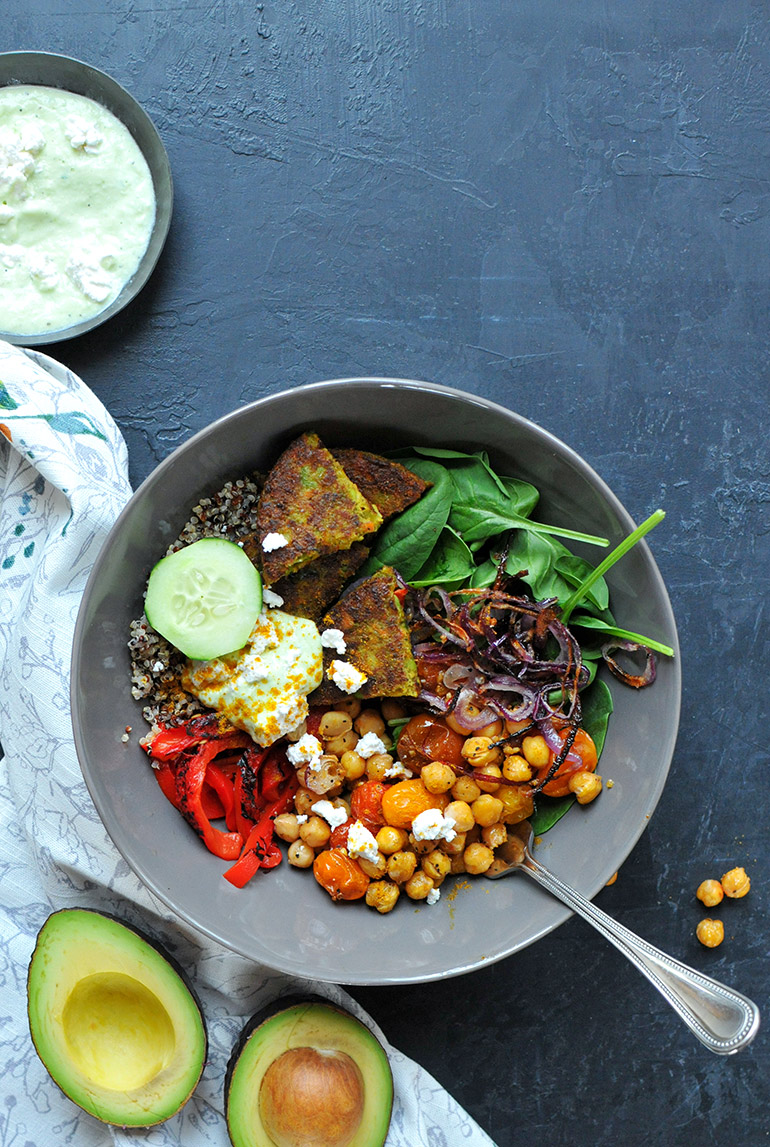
722	1019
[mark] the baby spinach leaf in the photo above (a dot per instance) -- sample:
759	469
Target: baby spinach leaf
482	457
596	703
450	563
586	621
406	542
575	570
549	810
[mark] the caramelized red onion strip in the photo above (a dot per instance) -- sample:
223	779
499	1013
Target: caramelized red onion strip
635	680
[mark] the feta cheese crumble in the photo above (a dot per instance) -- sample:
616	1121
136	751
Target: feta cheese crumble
334	639
345	676
433	896
274	541
368	745
307	751
272	600
433	825
361	843
334	817
398	770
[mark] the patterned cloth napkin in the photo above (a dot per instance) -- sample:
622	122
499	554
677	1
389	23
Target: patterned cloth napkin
63	476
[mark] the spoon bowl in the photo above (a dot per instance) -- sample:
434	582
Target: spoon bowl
722	1019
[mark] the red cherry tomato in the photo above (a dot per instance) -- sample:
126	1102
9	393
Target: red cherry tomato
426	738
585	749
366	804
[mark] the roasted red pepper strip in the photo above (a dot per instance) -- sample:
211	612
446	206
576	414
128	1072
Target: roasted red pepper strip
224	789
167	744
190	775
260	850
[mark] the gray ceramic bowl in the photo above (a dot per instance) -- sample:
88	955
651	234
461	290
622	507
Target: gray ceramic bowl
282	918
50	70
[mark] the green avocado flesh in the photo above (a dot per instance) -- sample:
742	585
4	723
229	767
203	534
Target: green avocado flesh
113	1022
324	1029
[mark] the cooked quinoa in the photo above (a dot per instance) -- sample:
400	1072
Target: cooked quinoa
156	666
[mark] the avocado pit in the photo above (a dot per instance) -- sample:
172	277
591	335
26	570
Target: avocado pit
312	1097
307	1074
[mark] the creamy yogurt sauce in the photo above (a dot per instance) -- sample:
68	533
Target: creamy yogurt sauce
77	208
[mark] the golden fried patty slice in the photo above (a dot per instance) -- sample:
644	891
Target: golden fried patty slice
311	590
376	636
309	507
387	484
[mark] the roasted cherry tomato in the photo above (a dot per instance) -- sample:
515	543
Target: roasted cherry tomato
585	749
406	800
341	876
366	804
426	738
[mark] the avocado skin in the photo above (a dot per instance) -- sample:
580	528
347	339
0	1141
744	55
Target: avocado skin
167	959
275	1009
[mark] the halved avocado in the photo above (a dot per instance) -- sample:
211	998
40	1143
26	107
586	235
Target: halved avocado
307	1074
112	1020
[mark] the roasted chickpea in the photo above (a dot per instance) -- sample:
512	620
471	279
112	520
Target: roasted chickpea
456	845
287	827
401	866
461	813
438	777
344	743
736	883
378	765
300	855
458	864
710	932
390	840
334	724
585	786
315	831
710	893
457	726
494	835
303	799
350	705
382	895
418	886
374	869
516	768
465	789
353	764
488	778
436	865
481	751
369	721
536	751
477	858
487	810
392	710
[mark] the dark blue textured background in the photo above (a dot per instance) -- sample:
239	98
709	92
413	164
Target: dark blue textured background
566	208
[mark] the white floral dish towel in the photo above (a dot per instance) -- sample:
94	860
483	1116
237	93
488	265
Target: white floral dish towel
63	477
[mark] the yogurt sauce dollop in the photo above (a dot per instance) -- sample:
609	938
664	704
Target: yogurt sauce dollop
77	207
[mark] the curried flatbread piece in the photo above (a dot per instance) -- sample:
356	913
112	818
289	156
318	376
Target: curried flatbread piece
388	485
311	590
309	507
376	636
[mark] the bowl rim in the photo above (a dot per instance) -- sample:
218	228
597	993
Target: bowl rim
561	912
112	95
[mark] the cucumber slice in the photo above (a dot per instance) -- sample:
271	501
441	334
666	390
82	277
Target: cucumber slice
204	598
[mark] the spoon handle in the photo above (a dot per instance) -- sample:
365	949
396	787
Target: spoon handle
723	1020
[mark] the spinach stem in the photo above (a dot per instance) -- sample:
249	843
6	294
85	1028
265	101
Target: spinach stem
628	543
